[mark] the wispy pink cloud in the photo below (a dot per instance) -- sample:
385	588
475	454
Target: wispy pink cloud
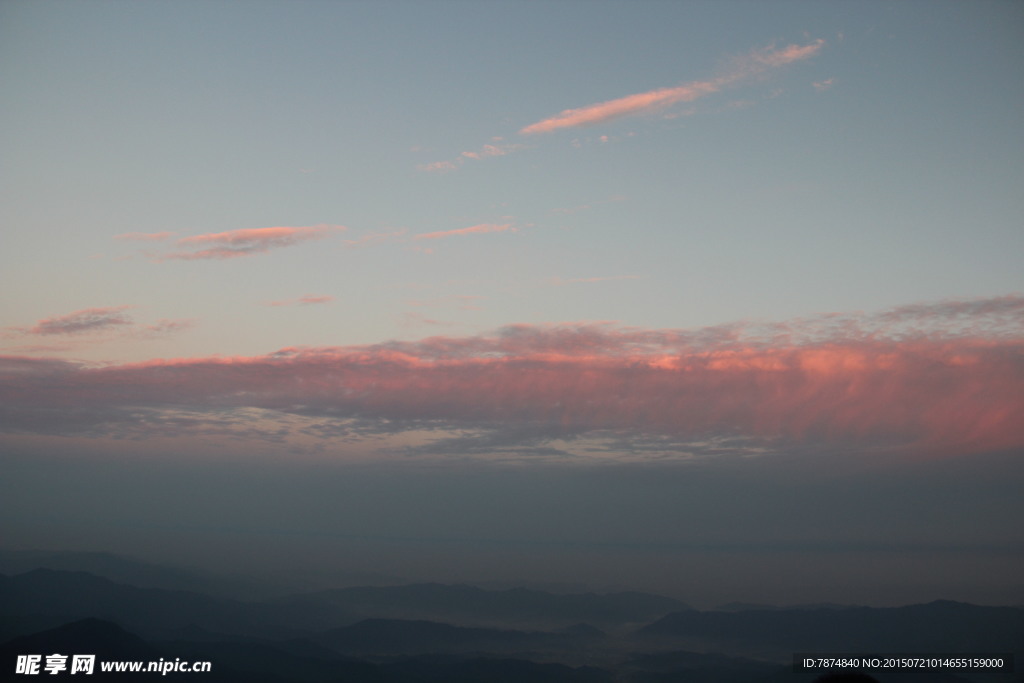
439	166
496	148
111	319
743	68
951	384
85	321
245	242
471	230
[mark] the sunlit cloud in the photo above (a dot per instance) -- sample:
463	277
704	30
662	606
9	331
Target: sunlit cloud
741	69
471	230
245	242
944	378
496	148
439	166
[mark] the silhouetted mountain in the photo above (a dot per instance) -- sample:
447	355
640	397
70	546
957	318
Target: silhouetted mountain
86	636
322	637
940	626
475	606
230	662
582	630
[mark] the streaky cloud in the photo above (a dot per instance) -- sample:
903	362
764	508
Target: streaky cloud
742	69
245	242
496	148
100	320
84	321
471	230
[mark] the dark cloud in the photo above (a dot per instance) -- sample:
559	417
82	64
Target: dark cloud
84	321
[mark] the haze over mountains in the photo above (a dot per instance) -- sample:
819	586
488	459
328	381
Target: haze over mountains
435	632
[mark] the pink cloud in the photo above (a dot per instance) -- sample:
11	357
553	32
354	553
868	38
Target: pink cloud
100	320
438	166
245	242
623	106
314	299
654	100
497	149
84	321
772	58
836	382
471	230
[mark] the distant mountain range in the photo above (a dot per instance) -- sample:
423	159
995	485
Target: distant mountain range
434	633
46	594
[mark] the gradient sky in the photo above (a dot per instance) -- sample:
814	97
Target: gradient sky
465	290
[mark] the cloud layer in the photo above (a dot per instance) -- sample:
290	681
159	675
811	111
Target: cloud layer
655	100
84	321
945	377
97	321
245	242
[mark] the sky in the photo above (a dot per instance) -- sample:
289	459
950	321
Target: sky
717	299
